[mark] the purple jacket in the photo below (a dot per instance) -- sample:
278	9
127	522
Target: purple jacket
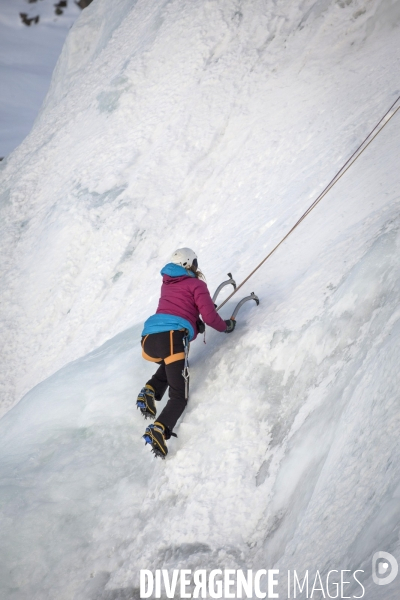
187	297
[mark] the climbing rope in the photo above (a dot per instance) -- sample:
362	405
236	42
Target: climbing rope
356	154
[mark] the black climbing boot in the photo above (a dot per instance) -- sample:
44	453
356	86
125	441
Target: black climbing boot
155	435
146	402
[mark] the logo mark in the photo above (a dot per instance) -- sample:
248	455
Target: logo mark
384	568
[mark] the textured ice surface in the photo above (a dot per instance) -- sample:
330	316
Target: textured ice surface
213	125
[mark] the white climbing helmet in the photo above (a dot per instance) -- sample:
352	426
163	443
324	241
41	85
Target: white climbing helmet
185	257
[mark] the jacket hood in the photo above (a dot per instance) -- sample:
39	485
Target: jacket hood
174	270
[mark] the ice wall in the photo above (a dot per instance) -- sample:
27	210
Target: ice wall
214	125
179	115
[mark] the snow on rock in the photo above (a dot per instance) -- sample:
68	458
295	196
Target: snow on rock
214	125
32	34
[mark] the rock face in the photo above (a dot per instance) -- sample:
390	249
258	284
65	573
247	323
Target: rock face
28	21
59	7
84	3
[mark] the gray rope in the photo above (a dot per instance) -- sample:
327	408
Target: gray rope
356	154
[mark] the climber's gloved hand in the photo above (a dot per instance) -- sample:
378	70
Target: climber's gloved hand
230	325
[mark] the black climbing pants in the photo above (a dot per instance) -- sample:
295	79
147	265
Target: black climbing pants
167	349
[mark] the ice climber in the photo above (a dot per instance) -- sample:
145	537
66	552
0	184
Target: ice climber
166	336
